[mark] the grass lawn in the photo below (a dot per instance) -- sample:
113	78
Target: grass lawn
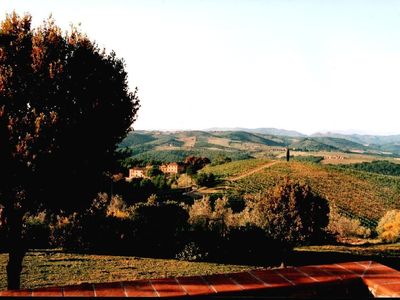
54	268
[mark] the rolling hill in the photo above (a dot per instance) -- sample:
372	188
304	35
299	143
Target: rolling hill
266	131
309	144
240	144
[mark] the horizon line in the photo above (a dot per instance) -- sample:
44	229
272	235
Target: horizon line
341	132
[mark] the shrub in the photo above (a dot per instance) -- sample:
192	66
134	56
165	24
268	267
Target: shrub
160	182
388	227
158	228
291	213
344	227
217	217
209	225
117	208
205	179
192	252
36	230
67	232
104	227
184	180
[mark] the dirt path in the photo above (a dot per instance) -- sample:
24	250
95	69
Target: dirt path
267	165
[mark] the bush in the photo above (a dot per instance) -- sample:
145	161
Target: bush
161	182
37	231
220	160
388	227
291	213
159	228
343	227
205	179
117	208
192	252
104	227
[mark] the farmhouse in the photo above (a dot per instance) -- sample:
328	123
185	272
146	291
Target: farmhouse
171	168
136	173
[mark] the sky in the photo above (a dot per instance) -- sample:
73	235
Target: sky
293	64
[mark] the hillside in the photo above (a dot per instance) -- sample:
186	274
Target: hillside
363	139
266	131
309	144
171	146
342	144
246	137
359	194
167	146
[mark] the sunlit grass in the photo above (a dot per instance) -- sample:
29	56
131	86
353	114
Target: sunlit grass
56	268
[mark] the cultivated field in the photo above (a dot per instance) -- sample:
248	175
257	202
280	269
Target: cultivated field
235	168
358	194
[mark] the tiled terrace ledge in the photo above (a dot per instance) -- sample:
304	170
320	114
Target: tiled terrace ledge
350	279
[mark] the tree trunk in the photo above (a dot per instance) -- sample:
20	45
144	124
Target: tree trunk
16	248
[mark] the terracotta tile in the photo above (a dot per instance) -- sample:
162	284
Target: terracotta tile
318	274
383	276
195	286
373	282
336	270
271	279
354	267
139	288
380	270
247	281
295	276
16	293
168	287
221	283
114	289
48	292
83	290
387	290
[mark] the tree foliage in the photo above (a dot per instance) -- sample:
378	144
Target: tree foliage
64	106
292	213
195	163
389	226
205	179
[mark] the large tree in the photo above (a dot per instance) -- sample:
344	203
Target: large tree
64	106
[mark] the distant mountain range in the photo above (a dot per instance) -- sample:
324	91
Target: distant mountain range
242	142
271	131
365	139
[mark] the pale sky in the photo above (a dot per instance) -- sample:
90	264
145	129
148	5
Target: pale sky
302	65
